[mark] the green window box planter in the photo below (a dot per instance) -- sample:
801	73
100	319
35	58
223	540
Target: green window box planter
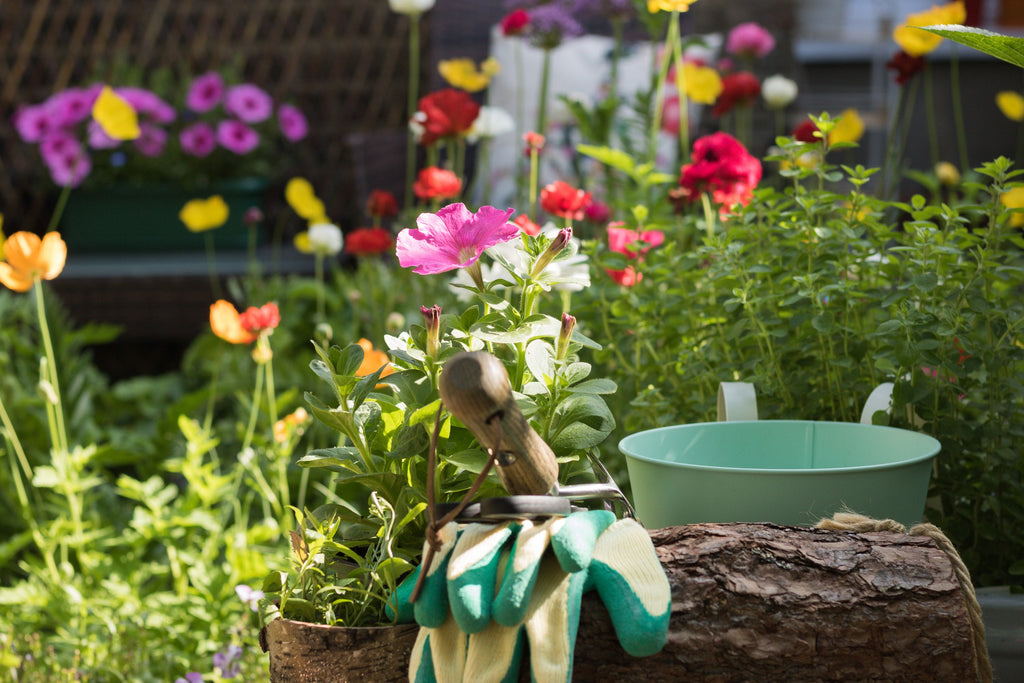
144	218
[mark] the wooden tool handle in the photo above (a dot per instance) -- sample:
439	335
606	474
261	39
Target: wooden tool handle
476	389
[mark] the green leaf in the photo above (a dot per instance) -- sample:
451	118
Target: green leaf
615	158
595	386
1007	48
340	456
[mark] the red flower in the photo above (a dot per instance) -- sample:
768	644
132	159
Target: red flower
562	199
515	22
805	130
256	320
722	166
526	225
905	66
381	204
446	113
534	143
597	212
624	241
437	183
740	88
369	241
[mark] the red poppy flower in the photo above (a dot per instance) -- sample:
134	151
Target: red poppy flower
369	241
738	89
905	66
381	204
437	183
446	113
515	22
805	130
721	166
256	320
562	199
526	225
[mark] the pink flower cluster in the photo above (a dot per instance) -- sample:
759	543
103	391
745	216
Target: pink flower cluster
214	116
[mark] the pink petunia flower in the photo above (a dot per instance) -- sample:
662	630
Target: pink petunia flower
237	137
97	138
72	106
66	159
249	103
151	141
292	122
452	238
198	140
205	92
148	103
35	122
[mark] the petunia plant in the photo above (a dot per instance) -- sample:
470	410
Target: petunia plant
388	419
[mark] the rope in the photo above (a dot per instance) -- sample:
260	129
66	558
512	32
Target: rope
848	521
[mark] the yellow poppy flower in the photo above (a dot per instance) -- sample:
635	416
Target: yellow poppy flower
1011	103
225	321
669	5
300	196
702	83
200	215
1014	199
916	42
490	67
301	242
463	73
849	128
116	117
27	257
947	173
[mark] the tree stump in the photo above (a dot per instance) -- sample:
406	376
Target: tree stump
750	602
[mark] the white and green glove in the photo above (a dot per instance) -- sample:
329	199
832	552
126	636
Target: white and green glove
496	598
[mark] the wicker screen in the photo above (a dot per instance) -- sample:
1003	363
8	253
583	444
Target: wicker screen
344	62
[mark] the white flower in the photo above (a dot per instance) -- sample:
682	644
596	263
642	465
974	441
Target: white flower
249	596
410	6
778	91
490	123
416	126
325	238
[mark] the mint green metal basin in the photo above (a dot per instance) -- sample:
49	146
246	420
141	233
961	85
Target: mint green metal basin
783	471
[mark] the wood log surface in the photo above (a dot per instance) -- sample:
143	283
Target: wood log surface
750	602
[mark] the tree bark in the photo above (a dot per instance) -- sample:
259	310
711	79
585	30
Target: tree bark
750	602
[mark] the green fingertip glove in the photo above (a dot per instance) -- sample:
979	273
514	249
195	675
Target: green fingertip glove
472	573
431	606
632	584
573	543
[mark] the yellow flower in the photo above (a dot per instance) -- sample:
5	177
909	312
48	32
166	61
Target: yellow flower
301	242
916	42
669	5
491	67
300	196
116	117
947	173
463	73
1014	199
1011	103
702	83
200	215
849	128
27	257
225	321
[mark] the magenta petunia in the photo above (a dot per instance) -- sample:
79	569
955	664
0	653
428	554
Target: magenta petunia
205	92
35	122
198	140
151	141
452	238
72	106
293	122
237	137
249	103
66	159
97	138
148	103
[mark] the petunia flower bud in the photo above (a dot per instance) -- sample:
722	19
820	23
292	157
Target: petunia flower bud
432	316
564	336
557	245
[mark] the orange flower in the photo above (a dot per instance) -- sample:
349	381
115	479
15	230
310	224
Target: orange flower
373	359
226	324
288	424
434	182
262	319
27	257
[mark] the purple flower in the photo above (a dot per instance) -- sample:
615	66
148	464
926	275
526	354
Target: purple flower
191	677
552	24
749	39
227	661
452	238
237	137
293	122
149	103
151	141
97	138
35	122
249	103
205	92
198	140
72	106
247	594
66	159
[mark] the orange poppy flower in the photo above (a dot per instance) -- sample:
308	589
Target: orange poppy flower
27	257
373	359
226	324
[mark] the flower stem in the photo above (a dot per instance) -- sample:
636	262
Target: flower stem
51	364
58	210
542	103
413	97
684	105
958	108
671	36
